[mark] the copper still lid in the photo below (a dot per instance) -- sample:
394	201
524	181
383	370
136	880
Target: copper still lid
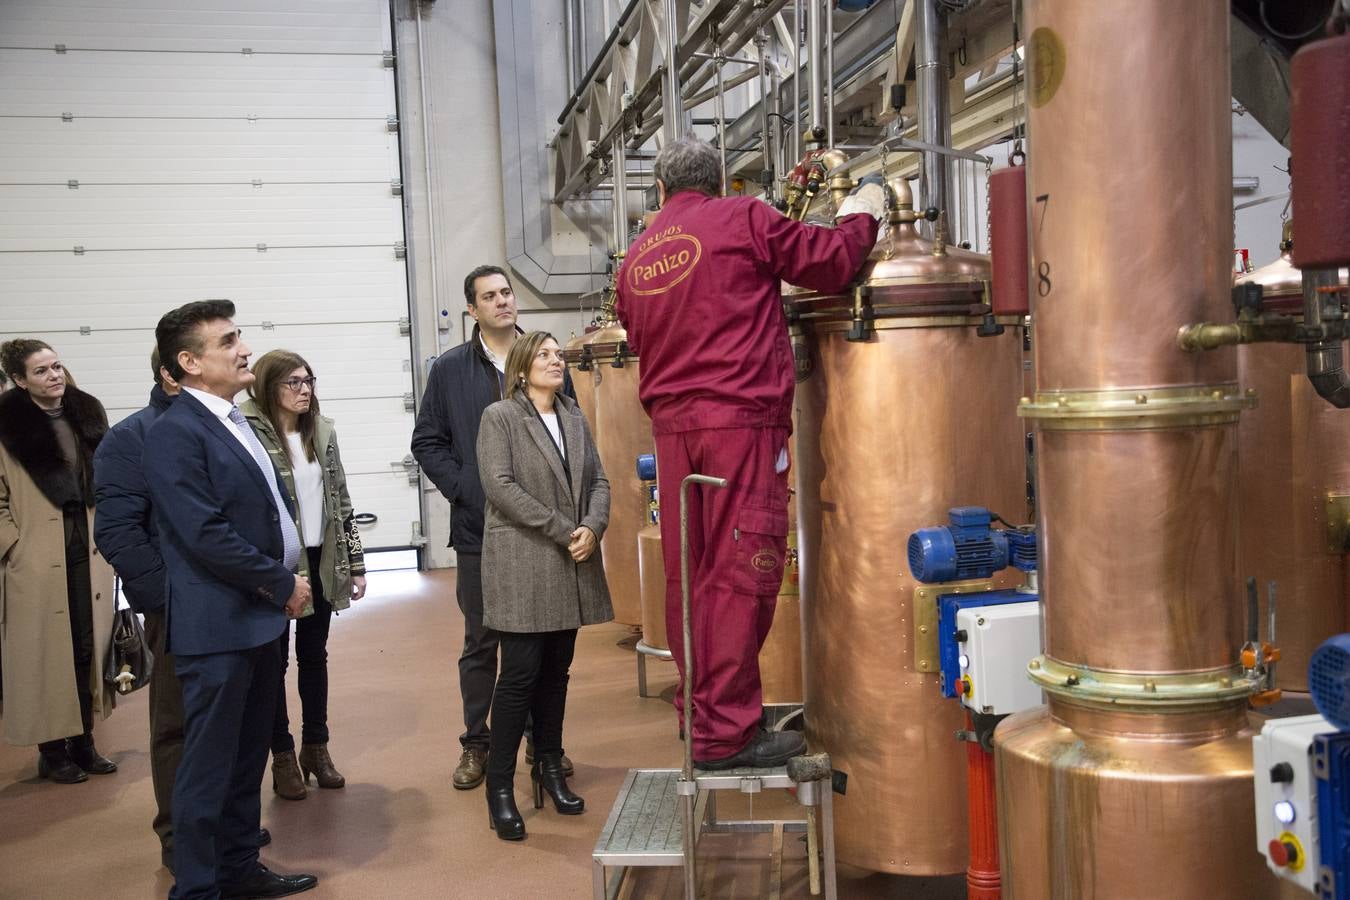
909	275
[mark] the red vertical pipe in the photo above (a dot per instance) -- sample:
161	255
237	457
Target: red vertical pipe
983	881
1008	240
1320	173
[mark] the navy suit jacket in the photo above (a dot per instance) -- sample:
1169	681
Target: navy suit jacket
220	534
124	524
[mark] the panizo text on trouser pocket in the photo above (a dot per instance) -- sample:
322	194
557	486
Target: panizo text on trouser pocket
761	546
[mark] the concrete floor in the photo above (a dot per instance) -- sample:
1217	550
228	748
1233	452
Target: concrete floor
398	829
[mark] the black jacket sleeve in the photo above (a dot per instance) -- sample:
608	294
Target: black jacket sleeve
123	521
432	445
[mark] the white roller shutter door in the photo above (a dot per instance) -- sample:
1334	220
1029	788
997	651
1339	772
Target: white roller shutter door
153	153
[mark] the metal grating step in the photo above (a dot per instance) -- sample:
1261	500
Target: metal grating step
644	825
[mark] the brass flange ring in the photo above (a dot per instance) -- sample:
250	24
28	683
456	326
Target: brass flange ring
1143	409
1153	692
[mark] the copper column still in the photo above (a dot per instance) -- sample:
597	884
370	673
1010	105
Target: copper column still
605	376
902	412
1294	484
1136	781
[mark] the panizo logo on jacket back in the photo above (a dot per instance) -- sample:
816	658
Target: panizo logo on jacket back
663	261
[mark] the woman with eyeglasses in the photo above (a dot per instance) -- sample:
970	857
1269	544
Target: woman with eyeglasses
284	412
56	589
547	507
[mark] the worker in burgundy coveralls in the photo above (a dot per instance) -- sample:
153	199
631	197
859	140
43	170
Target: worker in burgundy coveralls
699	293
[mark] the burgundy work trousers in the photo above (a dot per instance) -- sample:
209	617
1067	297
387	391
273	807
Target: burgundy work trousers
737	545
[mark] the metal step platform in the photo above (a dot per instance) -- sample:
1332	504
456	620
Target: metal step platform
645	826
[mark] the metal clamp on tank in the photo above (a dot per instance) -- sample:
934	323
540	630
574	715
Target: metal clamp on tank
864	316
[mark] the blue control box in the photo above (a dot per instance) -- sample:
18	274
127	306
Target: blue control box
1331	765
949	648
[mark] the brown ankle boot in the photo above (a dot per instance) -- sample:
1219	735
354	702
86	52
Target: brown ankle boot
286	780
314	758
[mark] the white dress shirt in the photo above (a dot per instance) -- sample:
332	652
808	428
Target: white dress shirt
221	410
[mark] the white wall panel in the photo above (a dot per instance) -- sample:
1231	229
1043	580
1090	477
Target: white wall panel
297	26
211	85
189	153
169	151
59	292
206	217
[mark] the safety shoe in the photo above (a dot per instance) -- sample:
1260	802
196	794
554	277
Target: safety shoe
472	769
766	750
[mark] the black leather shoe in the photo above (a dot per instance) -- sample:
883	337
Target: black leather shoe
503	816
263	882
60	768
548	777
264	837
86	756
767	750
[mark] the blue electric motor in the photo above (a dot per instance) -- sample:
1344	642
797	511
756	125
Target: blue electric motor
1329	684
970	547
646	467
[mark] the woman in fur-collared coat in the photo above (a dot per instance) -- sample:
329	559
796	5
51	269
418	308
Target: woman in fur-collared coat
56	590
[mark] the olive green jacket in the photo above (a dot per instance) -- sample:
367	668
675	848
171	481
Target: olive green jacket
342	555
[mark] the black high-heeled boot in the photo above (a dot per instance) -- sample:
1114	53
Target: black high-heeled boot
547	776
503	816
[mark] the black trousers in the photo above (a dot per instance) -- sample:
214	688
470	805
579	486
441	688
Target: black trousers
532	683
478	659
311	659
79	602
166	729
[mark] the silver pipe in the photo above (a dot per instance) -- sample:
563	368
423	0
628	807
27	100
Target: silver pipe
743	60
687	776
426	173
619	161
776	111
570	34
766	141
796	80
814	92
720	112
829	73
736	80
934	121
1326	358
672	109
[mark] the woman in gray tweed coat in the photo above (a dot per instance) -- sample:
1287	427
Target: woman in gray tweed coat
547	507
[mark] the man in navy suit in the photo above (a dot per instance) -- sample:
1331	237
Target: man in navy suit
230	549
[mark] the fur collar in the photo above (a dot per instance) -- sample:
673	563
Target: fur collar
27	434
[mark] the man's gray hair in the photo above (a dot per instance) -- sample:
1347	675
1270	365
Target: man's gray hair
689	164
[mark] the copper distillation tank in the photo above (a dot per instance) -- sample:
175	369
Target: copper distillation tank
1293	483
1136	780
902	411
605	376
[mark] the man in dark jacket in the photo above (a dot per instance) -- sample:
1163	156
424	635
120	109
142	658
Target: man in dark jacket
124	528
464	381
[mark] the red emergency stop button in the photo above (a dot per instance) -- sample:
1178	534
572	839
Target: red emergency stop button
1283	853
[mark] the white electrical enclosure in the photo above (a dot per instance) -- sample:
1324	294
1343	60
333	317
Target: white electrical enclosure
1286	797
1000	641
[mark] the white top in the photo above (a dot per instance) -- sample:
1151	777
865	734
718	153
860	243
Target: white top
221	409
555	432
308	491
498	361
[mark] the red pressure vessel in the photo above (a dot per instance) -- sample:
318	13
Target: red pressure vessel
1008	240
1320	170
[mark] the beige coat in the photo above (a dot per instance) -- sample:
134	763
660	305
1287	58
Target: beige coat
41	703
530	582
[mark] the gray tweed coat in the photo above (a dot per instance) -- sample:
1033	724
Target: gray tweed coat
530	582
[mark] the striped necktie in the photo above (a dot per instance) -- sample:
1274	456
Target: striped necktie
290	539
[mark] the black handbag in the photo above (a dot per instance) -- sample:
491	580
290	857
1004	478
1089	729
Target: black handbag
130	662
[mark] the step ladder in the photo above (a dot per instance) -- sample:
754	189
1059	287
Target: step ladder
646	827
660	814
